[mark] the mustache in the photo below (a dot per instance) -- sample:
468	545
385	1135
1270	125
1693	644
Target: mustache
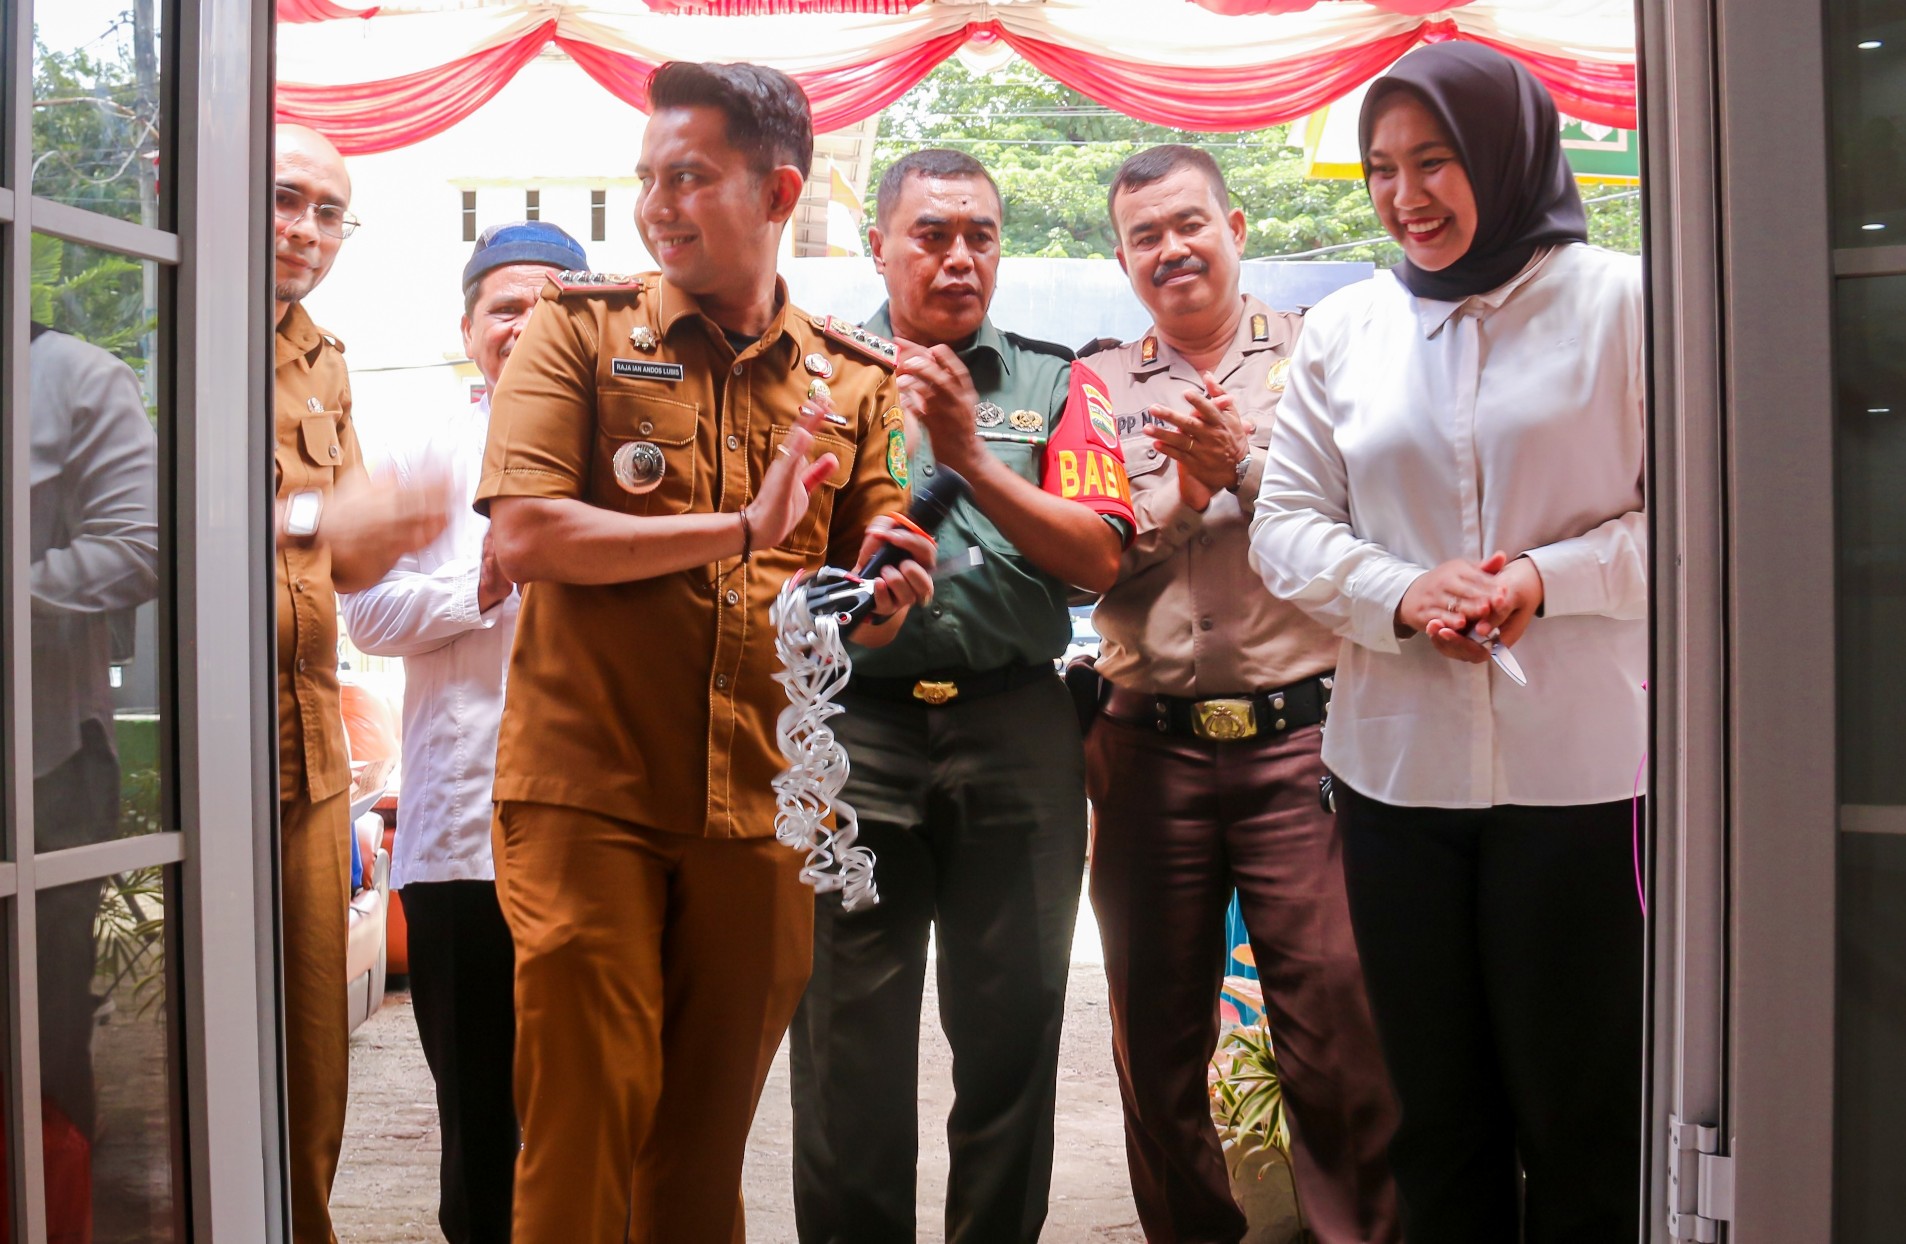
1190	263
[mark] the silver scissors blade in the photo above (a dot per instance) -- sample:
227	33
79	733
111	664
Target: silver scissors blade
1499	653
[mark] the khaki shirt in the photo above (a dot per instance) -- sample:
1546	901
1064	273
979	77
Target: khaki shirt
316	447
1188	616
654	701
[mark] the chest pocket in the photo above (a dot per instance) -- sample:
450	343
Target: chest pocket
1025	461
1142	459
669	425
810	534
319	455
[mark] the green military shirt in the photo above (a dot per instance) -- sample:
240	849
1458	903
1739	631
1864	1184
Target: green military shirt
1006	610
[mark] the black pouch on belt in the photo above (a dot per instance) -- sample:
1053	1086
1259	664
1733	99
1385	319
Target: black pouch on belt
1084	685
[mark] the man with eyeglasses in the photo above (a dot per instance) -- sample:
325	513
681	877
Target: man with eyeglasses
334	534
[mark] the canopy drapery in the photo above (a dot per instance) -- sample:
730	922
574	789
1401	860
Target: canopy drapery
400	74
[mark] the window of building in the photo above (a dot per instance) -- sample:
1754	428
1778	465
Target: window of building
532	205
598	215
469	216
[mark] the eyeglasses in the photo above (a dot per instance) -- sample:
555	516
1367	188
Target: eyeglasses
332	220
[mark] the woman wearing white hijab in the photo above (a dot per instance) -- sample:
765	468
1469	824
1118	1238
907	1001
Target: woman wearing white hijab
1458	462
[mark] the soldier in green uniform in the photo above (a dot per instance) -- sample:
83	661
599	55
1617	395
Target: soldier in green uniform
967	772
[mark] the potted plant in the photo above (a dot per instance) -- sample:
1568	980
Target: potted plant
1247	1103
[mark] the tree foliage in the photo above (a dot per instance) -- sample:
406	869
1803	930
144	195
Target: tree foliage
1053	152
95	129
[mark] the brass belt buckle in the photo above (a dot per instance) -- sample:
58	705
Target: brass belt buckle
934	693
1224	720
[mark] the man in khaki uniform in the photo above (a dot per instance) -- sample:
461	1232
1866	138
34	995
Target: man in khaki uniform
665	451
335	534
1204	765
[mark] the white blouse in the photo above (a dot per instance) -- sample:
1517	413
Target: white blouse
456	659
1415	431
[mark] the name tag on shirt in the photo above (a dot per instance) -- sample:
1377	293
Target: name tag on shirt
639	369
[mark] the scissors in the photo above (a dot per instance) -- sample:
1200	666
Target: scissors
1499	653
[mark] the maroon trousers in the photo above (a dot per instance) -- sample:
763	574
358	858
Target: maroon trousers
1181	822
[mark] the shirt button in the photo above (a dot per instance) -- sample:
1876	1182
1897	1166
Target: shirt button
937	611
721	681
334	451
733	597
737	369
1205	540
1205	624
301	665
734	442
927	469
646	427
297	585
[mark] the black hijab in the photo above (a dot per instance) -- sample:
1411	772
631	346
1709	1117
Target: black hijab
1504	125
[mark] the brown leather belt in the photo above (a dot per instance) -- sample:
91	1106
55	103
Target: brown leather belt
1225	719
950	686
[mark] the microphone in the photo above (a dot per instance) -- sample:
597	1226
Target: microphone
850	598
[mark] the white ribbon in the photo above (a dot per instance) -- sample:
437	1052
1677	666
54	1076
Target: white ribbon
815	667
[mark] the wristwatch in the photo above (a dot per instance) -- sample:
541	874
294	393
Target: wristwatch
1244	469
301	513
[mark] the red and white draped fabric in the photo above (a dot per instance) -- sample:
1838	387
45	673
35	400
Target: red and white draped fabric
410	72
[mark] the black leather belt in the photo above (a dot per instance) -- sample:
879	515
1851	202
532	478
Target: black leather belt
1227	718
952	686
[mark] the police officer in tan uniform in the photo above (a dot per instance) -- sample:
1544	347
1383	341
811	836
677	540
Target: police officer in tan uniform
335	534
665	452
1204	766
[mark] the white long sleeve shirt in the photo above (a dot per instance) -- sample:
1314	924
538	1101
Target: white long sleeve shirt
456	659
1415	431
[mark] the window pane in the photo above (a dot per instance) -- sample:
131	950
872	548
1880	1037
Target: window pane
99	111
97	562
1866	58
109	1065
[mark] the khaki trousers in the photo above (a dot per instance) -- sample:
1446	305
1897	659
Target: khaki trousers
315	853
655	976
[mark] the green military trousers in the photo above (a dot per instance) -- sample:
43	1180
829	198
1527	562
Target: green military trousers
976	815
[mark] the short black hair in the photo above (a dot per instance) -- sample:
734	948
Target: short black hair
930	162
766	112
1156	164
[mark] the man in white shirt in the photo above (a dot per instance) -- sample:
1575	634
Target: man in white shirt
450	612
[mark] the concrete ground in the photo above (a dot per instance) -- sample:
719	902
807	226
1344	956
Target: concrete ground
387	1185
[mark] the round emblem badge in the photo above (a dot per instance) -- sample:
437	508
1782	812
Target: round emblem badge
820	365
988	415
639	466
1028	421
1279	374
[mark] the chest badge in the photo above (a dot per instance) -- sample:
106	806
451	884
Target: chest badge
819	365
817	388
1278	376
639	467
643	338
638	369
1028	421
316	407
988	415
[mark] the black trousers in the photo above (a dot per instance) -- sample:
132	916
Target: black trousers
462	992
1502	951
976	816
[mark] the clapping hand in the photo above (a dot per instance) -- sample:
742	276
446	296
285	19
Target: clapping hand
1207	441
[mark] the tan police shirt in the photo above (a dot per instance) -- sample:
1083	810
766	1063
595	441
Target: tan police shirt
1188	616
654	701
316	447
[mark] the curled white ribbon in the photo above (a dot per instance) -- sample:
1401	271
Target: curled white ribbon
814	668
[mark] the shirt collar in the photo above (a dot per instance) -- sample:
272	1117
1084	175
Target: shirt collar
987	338
298	337
1245	341
1432	315
674	304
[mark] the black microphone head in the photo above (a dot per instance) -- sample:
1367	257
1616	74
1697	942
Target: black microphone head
935	499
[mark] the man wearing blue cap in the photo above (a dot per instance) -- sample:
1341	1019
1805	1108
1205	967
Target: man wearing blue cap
450	611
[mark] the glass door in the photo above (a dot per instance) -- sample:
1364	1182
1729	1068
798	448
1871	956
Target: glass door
136	990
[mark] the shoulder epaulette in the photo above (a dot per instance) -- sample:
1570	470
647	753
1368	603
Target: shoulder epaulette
854	337
1040	347
570	282
1097	344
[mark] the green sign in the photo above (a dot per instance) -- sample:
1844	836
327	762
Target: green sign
1601	153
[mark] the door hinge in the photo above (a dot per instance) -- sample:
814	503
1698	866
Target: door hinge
1700	1182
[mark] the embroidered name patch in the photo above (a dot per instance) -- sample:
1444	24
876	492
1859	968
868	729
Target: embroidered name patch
641	369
